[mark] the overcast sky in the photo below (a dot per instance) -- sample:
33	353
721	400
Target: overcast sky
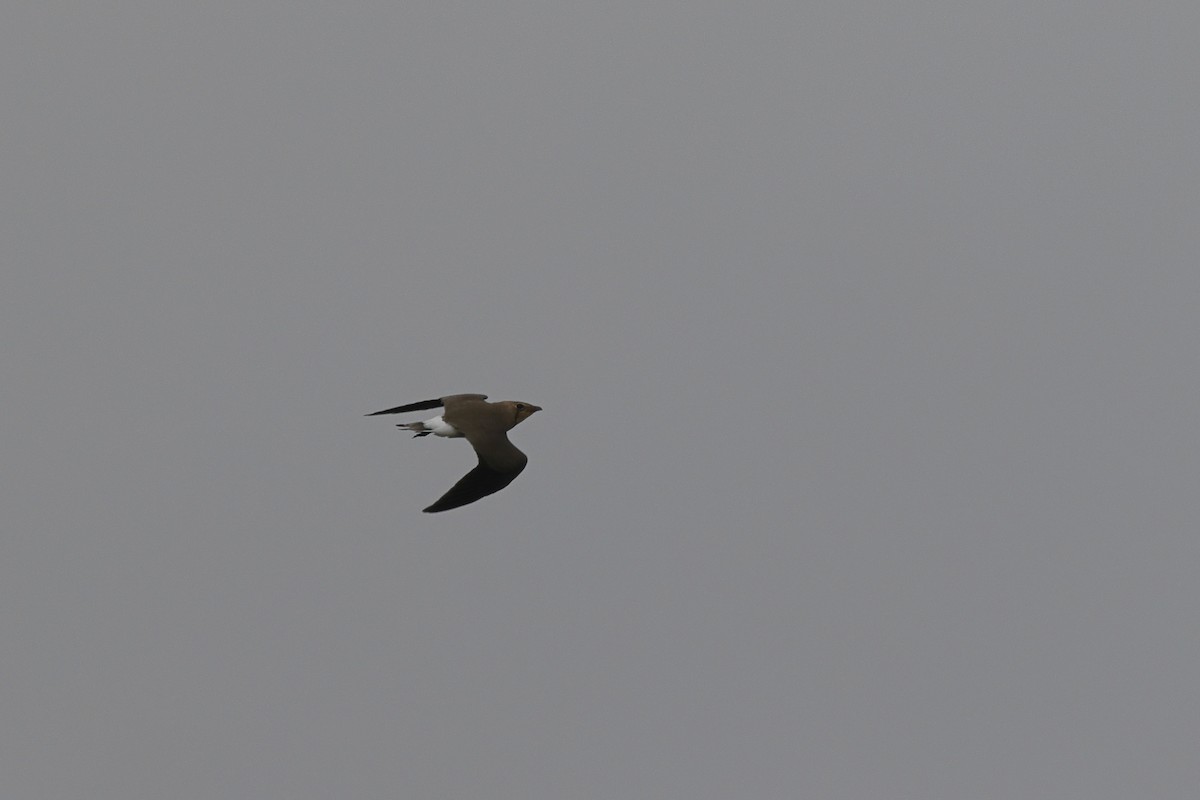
867	333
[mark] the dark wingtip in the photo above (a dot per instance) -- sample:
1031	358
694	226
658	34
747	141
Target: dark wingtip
421	406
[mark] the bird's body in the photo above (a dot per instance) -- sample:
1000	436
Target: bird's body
485	425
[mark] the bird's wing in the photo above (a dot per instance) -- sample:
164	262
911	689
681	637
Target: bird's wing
421	406
428	404
479	482
497	452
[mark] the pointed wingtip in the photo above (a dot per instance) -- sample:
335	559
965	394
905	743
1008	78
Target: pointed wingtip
424	405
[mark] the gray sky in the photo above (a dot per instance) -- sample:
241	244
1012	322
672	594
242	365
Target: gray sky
866	335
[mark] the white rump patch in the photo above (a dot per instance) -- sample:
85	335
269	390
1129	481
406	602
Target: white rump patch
439	427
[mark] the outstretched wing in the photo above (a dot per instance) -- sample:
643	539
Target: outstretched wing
479	482
425	405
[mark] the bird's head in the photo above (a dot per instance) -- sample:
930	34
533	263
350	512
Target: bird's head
520	410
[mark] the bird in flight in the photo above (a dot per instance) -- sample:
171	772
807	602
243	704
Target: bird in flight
485	425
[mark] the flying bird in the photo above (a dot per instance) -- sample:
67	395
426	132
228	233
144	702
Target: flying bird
485	425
